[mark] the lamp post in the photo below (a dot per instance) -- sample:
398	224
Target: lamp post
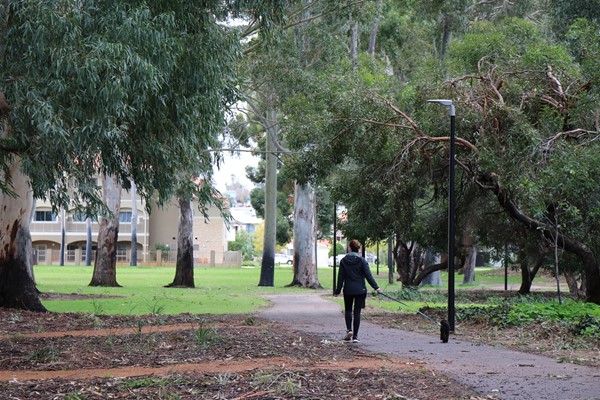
334	245
451	209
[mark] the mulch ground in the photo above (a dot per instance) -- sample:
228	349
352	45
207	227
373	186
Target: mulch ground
78	356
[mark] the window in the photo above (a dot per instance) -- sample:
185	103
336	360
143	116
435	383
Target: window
125	216
44	216
122	251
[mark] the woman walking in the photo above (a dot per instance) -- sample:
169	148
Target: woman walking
354	270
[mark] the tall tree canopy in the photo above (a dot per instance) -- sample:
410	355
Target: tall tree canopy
527	112
131	89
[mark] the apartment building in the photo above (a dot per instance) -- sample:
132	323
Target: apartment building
160	227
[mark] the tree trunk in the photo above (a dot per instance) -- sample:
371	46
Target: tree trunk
527	275
88	242
572	283
105	267
526	279
17	288
434	278
375	28
409	260
184	269
469	268
134	218
354	45
267	270
305	266
443	264
402	258
446	35
63	238
416	261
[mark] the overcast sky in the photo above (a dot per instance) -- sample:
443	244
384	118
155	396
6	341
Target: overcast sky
234	165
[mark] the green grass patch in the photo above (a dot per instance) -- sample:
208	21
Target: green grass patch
218	290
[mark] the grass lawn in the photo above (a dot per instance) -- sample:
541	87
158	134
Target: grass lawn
218	290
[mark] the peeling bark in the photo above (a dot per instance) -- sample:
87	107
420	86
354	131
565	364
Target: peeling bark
469	267
267	270
305	265
184	269
105	267
134	218
88	242
17	287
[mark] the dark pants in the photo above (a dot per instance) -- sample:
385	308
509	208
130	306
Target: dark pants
353	305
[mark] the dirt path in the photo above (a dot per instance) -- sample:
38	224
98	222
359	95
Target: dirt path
505	374
103	332
220	367
47	356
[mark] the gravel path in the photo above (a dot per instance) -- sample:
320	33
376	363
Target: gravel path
504	374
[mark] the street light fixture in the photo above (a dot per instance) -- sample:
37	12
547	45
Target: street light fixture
451	210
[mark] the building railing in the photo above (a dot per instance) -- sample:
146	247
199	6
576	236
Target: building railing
77	257
76	227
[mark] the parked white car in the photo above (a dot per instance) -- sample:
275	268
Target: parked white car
281	258
338	259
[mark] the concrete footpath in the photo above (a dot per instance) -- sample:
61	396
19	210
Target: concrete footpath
504	374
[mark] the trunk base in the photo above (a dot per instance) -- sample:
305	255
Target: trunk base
17	290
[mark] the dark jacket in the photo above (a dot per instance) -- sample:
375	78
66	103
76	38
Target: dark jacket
353	272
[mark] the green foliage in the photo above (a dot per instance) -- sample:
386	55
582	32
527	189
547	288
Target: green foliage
285	213
582	318
163	248
243	242
45	355
74	396
564	13
512	43
536	312
583	39
205	337
414	294
587	325
137	90
339	249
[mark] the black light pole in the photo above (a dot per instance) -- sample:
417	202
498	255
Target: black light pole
451	210
377	258
334	245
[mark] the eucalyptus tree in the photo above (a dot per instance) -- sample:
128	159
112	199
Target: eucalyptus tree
323	46
105	272
527	135
564	13
69	83
535	100
274	73
521	101
88	89
342	159
200	192
285	212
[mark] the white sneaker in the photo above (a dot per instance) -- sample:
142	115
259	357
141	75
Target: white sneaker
348	336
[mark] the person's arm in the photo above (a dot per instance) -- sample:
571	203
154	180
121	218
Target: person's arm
340	280
369	277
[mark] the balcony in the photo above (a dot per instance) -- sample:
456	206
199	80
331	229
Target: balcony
37	228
